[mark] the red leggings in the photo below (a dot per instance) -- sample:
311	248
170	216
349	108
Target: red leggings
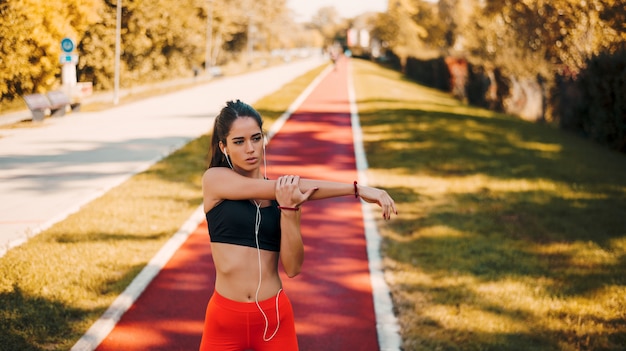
237	326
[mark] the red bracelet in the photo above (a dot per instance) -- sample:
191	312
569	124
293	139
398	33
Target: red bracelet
356	190
289	208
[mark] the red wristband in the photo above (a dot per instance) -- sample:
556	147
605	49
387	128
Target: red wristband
356	190
289	208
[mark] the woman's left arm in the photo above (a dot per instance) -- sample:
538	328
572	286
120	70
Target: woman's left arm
289	198
291	245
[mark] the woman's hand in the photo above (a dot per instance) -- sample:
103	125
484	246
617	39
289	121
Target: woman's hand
288	192
380	197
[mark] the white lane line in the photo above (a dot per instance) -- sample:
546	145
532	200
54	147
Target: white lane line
386	322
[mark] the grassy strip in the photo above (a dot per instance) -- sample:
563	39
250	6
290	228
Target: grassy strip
512	235
57	284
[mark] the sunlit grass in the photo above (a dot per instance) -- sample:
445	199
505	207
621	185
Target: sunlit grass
511	235
57	284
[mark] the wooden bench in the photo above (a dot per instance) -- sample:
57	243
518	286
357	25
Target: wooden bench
38	105
59	102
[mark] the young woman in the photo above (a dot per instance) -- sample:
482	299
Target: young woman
253	223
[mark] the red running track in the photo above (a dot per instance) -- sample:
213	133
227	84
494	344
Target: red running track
332	297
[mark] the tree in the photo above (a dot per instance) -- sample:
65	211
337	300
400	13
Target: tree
537	36
400	29
160	38
31	33
328	22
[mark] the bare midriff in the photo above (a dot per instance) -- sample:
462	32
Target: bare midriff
237	272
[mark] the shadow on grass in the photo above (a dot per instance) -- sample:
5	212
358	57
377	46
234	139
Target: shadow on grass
26	318
31	322
549	235
447	144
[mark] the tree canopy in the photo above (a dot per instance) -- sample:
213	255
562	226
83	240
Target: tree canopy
31	33
160	38
524	37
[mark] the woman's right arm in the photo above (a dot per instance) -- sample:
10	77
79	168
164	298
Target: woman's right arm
328	189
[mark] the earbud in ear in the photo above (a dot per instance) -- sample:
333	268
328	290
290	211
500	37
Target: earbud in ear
225	152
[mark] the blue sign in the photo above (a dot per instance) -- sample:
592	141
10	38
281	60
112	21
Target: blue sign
67	45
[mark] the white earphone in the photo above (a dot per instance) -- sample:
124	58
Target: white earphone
228	158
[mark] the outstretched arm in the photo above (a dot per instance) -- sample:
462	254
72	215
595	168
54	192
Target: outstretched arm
327	189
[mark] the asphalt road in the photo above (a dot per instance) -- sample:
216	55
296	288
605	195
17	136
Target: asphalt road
50	171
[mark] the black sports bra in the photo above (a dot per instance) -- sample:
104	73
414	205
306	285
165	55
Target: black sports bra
232	222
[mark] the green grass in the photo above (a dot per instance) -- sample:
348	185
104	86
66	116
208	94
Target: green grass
57	284
511	235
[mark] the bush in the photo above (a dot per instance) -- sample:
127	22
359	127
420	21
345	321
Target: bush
593	103
487	88
433	73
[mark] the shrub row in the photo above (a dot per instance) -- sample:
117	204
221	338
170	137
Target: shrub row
591	103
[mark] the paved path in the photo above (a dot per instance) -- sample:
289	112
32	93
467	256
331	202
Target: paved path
50	171
333	296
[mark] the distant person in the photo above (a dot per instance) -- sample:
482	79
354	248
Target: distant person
334	56
196	72
254	222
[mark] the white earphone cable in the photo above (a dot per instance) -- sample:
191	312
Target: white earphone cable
257	224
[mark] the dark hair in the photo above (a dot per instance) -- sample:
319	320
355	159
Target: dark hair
223	123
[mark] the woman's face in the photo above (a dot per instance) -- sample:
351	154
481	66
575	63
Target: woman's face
244	144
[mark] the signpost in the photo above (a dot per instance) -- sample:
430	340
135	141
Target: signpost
68	60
